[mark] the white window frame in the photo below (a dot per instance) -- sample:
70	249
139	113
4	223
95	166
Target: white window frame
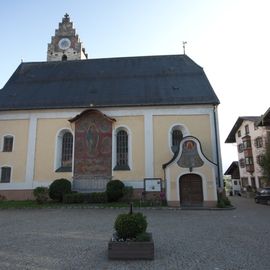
114	145
180	127
58	147
3	140
11	172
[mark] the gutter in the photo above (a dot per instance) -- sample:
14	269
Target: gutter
217	146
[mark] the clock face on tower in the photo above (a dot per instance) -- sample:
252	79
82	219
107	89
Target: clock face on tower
64	43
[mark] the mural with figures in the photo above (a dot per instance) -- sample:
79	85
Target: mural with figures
93	145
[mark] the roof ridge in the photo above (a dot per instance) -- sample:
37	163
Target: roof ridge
143	57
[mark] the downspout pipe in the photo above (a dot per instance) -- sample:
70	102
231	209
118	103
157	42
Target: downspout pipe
220	185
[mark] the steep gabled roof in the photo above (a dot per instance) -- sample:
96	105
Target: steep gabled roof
232	168
265	119
108	82
92	111
238	123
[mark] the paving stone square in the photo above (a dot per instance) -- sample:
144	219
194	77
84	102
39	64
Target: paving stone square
184	239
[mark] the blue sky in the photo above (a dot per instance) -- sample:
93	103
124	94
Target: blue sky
228	38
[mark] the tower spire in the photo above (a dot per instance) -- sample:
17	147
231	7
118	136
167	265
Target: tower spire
184	47
65	44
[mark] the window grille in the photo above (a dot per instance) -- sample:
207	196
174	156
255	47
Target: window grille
67	147
260	159
122	148
177	136
240	147
242	163
258	142
8	144
5	174
247	129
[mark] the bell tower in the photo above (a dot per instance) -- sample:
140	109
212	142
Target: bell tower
65	44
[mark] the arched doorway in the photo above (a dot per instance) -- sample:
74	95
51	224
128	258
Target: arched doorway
191	192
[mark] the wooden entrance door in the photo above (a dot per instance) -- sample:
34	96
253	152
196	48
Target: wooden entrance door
191	192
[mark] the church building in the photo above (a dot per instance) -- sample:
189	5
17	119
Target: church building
149	121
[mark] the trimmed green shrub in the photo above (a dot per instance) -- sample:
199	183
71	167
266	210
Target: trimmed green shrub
95	197
98	197
86	197
129	226
221	204
114	190
41	194
73	198
58	188
226	201
127	194
223	201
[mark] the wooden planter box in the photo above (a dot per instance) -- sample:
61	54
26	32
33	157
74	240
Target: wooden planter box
131	250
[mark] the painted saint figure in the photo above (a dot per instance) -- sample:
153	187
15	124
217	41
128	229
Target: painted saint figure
92	137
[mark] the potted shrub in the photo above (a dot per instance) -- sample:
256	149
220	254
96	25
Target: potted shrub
131	241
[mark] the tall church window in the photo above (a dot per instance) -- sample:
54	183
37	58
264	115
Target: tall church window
5	174
67	146
8	143
64	151
64	58
122	151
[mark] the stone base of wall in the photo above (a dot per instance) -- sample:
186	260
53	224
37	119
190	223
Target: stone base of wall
173	203
206	204
90	184
210	204
17	195
139	194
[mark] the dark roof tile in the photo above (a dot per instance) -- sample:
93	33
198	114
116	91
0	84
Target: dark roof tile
108	82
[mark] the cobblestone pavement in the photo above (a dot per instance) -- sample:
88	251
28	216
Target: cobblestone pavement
184	239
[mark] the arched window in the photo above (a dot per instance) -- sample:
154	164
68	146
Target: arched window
64	151
5	174
8	143
177	137
67	146
122	150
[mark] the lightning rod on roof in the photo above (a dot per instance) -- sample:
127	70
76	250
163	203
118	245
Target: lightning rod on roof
184	46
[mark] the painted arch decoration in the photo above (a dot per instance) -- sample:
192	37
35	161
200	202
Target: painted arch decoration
187	162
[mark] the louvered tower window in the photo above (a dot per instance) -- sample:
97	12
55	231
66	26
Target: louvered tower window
5	174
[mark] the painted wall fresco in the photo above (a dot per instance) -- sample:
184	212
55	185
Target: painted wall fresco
190	157
93	146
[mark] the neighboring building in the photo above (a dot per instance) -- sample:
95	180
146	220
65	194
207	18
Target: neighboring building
234	180
144	120
251	140
265	119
